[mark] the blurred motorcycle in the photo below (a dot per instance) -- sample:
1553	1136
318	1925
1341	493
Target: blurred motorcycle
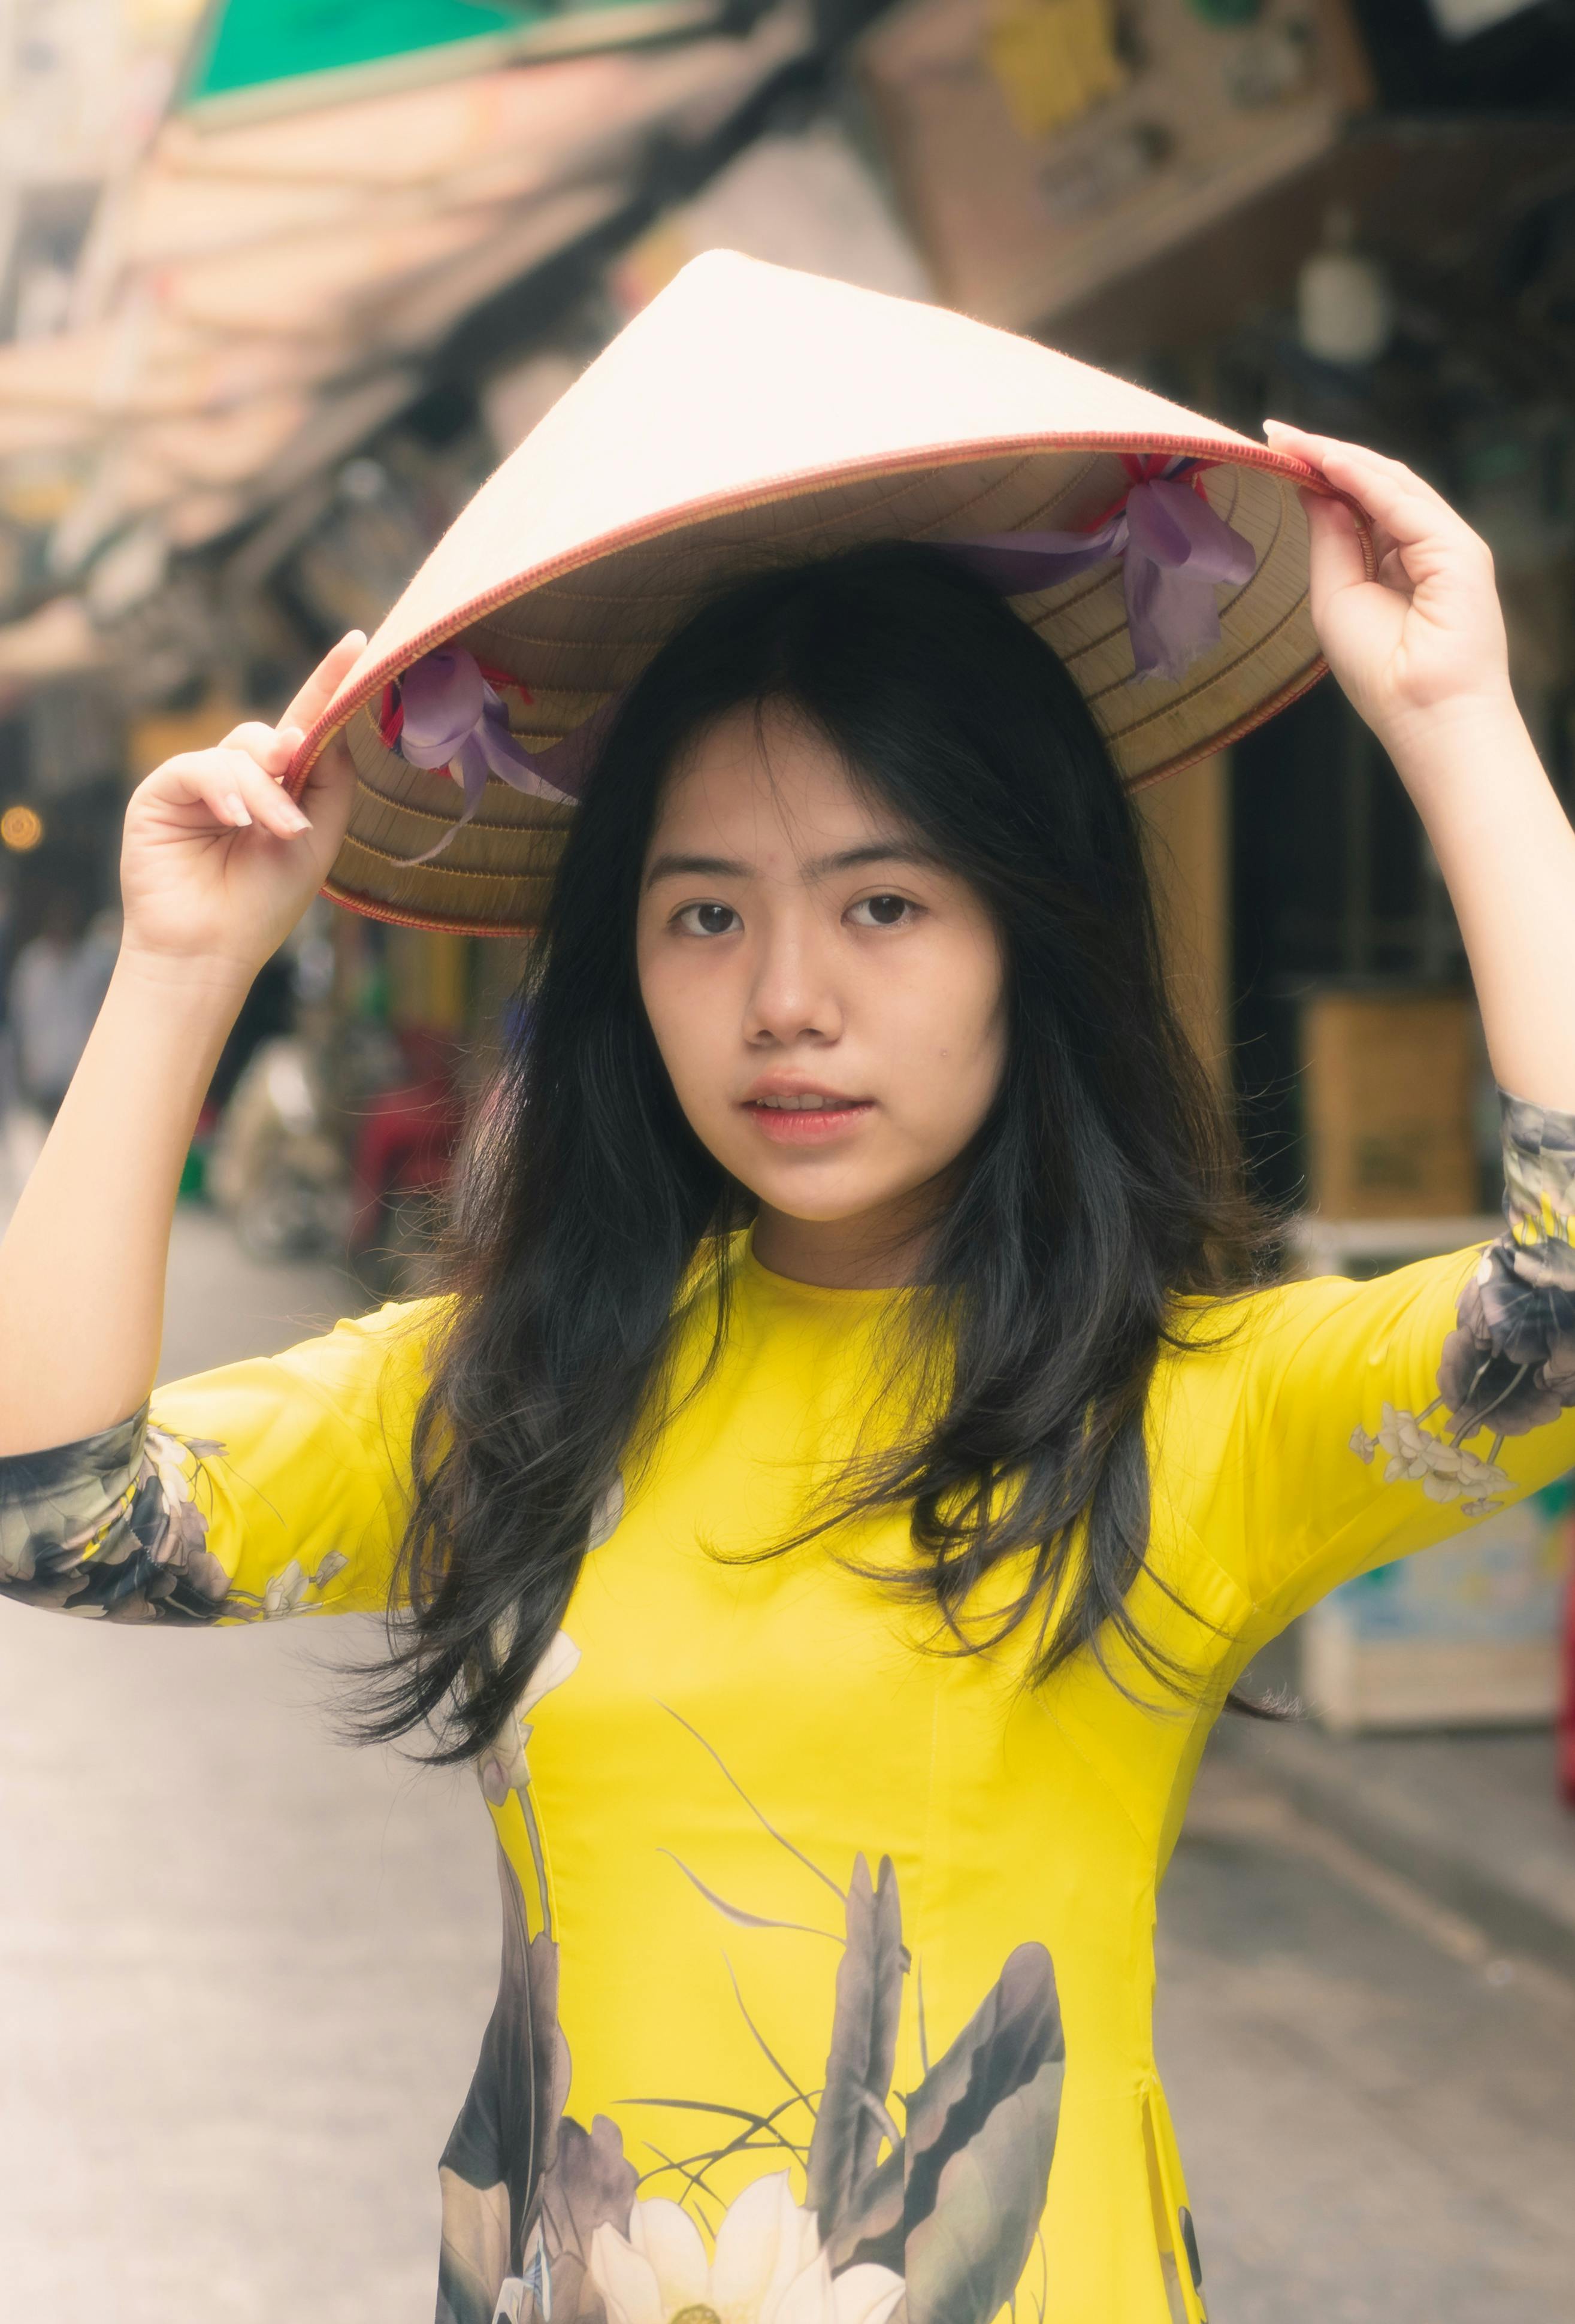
401	1167
276	1169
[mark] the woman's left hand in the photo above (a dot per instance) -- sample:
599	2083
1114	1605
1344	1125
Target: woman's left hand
1426	637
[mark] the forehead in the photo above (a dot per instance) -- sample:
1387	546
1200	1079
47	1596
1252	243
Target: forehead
768	776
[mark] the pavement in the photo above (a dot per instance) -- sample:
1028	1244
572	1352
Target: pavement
1372	2086
243	1971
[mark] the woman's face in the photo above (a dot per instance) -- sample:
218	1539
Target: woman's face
826	996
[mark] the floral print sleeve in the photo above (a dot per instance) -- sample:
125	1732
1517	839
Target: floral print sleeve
1452	1383
111	1526
1508	1365
270	1487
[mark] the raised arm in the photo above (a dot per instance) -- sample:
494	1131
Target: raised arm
1421	652
216	867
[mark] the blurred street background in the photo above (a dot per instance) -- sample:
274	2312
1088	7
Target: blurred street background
281	281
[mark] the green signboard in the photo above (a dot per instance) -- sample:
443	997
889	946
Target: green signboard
270	56
251	44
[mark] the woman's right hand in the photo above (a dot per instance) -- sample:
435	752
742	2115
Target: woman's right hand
217	864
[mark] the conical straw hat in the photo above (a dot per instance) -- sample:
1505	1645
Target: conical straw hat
753	413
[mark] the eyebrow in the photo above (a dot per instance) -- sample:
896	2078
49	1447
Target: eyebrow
820	867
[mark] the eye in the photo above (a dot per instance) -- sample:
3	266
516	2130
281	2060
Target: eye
882	911
708	919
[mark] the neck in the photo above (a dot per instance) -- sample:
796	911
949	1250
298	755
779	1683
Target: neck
875	1250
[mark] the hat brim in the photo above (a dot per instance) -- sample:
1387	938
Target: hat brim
577	621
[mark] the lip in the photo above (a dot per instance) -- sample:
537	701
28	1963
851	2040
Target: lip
797	1125
795	1084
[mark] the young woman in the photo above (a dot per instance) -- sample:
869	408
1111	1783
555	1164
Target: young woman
853	1452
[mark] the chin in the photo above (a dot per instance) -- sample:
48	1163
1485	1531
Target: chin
820	1215
829	1204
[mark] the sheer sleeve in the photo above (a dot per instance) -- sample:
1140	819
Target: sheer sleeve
274	1487
1378	1418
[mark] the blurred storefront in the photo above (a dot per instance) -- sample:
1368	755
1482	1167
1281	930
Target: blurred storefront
1399	273
283	282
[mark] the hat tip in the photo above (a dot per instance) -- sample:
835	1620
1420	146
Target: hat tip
707	264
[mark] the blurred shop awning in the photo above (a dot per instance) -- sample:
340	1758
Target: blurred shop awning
230	272
259	288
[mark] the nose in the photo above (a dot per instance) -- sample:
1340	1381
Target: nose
792	993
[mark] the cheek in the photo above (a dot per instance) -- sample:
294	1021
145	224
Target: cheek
953	1034
685	1020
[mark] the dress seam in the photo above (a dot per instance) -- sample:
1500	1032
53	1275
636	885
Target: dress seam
927	1858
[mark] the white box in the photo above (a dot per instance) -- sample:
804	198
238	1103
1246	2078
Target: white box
1465	1635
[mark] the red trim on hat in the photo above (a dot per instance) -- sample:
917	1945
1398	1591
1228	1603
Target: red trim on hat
390	711
500	678
1243	454
1143	467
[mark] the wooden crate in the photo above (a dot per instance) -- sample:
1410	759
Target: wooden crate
1387	1089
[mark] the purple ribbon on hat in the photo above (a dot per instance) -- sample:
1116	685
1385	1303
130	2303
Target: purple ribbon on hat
447	712
1174	548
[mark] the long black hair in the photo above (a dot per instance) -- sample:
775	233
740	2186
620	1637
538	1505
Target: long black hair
1099	1187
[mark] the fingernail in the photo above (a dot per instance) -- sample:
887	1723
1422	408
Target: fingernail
234	806
289	738
293	818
